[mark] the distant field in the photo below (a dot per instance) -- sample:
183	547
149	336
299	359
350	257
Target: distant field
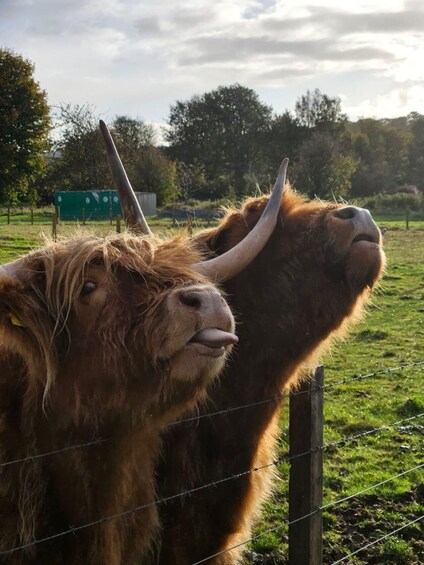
20	236
391	335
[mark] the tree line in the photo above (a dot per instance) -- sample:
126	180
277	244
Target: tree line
221	144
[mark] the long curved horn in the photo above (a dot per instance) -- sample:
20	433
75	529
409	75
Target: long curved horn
236	259
133	215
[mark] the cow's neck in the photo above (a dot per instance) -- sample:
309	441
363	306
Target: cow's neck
269	354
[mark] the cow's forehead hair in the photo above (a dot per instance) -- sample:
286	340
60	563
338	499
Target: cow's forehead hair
63	261
292	203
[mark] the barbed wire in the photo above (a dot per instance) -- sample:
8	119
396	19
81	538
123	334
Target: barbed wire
36	456
203	487
359	378
378	540
338	443
369	432
99	441
316	511
278	398
230	409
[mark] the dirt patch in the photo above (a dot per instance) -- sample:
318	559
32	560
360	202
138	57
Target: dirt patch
361	521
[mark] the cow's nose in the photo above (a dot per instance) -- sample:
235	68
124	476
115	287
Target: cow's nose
207	304
192	298
347	213
202	300
359	221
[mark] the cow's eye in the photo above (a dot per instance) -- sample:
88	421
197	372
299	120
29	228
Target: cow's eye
88	287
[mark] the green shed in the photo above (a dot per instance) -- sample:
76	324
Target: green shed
89	205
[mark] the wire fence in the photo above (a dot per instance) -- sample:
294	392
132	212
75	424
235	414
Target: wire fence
277	399
288	457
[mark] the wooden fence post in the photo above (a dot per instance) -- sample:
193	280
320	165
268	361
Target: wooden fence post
8	215
190	225
32	216
118	224
54	227
306	472
407	218
83	216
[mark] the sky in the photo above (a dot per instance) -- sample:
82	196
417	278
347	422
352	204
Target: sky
138	57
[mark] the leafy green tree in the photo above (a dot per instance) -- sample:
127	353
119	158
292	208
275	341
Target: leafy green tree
132	134
24	126
283	140
317	110
154	172
223	131
80	162
79	157
323	169
382	151
192	181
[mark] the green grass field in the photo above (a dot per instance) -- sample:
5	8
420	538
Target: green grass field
392	335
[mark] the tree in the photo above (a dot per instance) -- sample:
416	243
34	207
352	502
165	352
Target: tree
191	181
131	134
154	172
24	125
284	140
317	110
382	151
323	169
223	131
80	162
79	156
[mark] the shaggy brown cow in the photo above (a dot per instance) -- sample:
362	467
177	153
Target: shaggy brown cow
310	281
99	338
106	340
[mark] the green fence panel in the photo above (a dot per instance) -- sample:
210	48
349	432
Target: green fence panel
88	205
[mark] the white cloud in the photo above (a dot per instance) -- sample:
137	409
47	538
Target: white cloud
127	56
396	102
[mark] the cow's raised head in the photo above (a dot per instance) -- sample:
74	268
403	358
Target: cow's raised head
113	325
314	274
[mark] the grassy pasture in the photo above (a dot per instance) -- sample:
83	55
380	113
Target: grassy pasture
391	335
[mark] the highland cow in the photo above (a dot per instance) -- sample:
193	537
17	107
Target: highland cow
103	342
308	284
99	338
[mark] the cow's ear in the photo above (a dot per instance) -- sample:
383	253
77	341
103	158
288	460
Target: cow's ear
19	288
230	232
12	285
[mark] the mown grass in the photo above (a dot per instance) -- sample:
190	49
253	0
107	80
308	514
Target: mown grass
391	335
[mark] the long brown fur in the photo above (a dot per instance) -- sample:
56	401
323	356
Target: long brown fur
298	295
76	368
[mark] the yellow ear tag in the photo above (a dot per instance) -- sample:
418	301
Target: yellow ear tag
16	321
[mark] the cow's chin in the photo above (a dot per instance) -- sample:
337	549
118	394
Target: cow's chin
198	363
365	263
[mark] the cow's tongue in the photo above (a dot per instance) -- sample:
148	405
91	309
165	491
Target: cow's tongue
213	337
